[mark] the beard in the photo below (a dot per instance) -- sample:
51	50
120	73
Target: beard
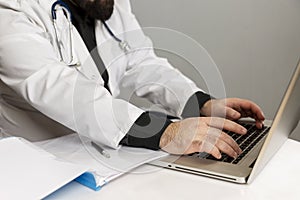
97	9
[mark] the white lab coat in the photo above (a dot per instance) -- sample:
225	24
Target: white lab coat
42	97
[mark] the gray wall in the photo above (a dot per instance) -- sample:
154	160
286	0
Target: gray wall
255	43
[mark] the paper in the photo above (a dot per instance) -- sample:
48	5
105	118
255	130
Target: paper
28	172
77	149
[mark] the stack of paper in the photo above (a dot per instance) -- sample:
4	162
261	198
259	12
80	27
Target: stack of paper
77	149
28	172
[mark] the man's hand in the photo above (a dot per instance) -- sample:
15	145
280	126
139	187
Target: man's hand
201	134
233	109
205	134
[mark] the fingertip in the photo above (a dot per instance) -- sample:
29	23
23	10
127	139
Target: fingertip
240	151
244	130
261	118
216	153
235	155
241	130
260	115
233	114
237	115
259	124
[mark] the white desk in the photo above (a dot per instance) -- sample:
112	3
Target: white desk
279	180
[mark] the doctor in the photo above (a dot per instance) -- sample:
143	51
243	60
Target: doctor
63	64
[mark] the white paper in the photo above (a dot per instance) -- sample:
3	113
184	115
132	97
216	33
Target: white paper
79	150
27	172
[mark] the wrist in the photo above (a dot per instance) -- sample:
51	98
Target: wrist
147	131
194	104
167	135
205	110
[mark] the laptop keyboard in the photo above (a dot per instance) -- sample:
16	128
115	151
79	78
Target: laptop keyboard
246	142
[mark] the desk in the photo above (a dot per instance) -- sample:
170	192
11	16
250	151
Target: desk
279	180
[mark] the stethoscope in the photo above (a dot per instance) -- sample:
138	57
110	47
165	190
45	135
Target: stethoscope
62	5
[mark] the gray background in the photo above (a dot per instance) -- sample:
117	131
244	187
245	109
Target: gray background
255	43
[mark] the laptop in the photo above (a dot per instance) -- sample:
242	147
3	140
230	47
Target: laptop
258	145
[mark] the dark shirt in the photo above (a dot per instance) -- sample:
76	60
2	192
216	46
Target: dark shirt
86	28
149	127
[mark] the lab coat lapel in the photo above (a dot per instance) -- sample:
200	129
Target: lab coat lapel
80	51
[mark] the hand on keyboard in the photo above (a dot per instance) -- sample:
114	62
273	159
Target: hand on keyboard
234	109
205	134
202	134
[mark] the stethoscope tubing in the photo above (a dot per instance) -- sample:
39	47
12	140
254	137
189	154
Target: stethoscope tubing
122	43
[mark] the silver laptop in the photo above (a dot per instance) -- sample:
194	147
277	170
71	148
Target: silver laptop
258	145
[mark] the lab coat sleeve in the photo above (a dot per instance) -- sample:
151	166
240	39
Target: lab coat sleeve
152	77
156	80
30	66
